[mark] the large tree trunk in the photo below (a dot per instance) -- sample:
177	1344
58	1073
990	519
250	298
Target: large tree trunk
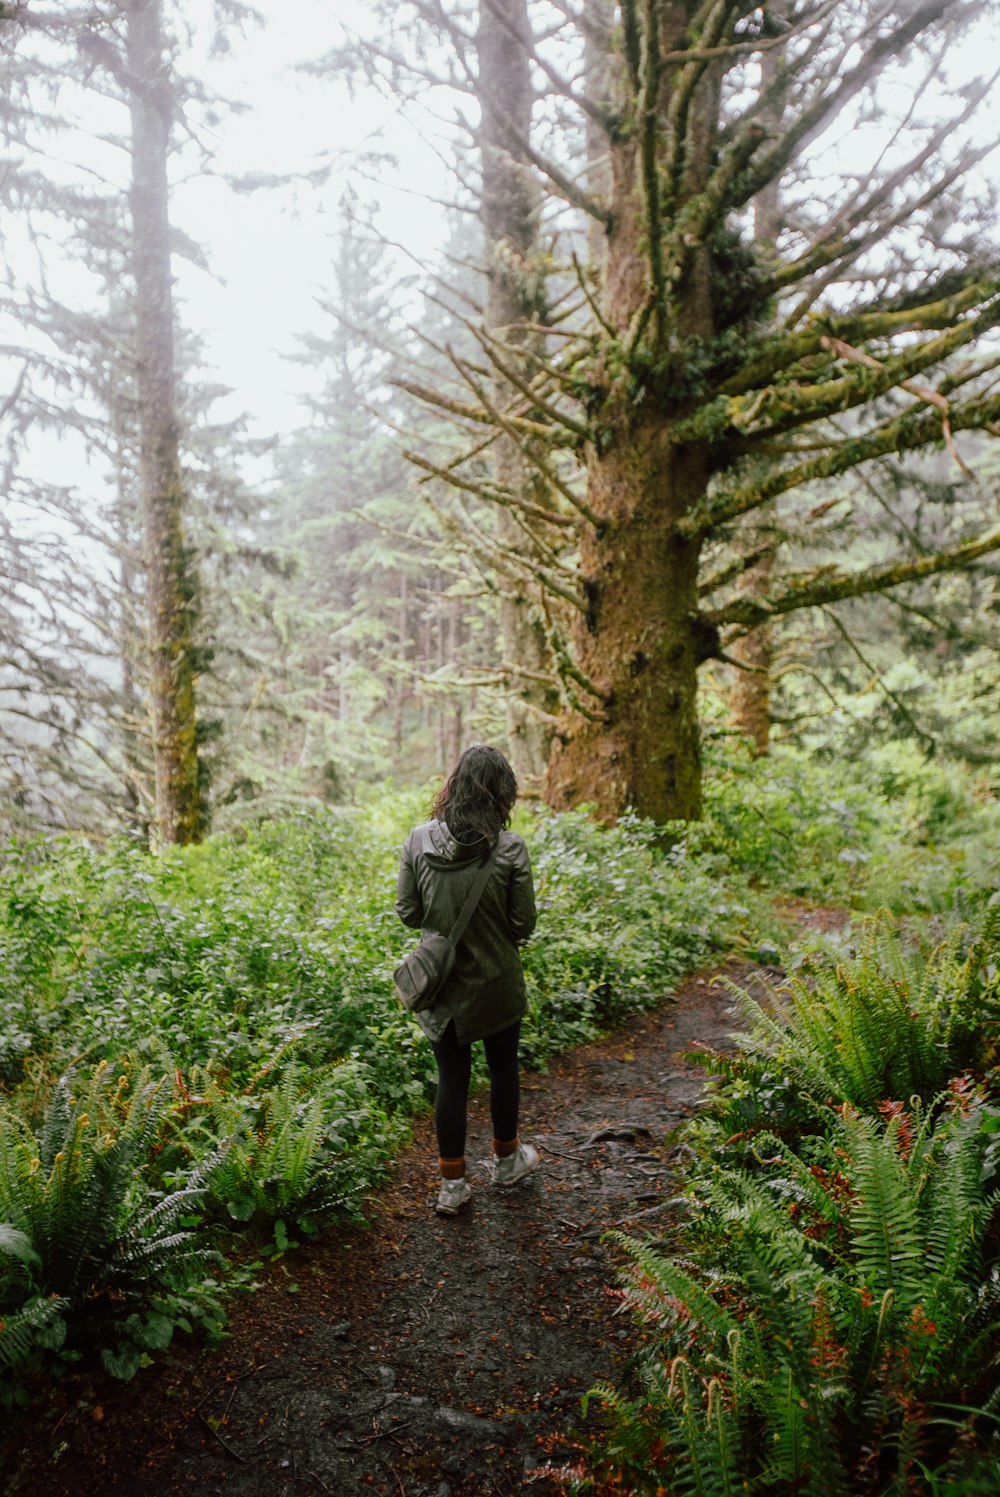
171	585
638	645
515	296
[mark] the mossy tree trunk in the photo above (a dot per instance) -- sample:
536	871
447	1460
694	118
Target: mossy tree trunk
171	578
637	642
640	746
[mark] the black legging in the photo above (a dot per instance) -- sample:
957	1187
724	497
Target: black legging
454	1062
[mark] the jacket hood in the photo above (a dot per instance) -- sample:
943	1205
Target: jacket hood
447	849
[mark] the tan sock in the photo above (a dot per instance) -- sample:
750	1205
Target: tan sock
452	1169
504	1151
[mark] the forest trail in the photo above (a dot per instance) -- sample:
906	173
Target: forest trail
420	1356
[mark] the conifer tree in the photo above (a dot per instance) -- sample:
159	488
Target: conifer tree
713	380
171	576
107	376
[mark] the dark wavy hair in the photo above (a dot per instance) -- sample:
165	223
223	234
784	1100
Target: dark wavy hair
478	796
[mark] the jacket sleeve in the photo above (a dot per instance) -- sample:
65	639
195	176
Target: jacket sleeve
521	913
409	905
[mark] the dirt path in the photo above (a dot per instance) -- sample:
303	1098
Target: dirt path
418	1356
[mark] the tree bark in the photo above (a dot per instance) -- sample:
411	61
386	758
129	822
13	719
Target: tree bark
171	585
751	694
515	296
638	643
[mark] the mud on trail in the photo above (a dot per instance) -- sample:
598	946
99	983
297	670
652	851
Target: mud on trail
416	1355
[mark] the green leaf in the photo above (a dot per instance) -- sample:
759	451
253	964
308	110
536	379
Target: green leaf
157	1332
123	1363
241	1208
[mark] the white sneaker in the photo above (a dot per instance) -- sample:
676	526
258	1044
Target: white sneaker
453	1197
517	1166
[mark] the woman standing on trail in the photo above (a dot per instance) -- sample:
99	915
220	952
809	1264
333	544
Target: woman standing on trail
483	997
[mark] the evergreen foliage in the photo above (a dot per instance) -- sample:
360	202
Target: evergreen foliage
832	1324
72	1188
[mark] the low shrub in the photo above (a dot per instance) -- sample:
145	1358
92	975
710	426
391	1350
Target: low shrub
248	981
86	1231
831	1324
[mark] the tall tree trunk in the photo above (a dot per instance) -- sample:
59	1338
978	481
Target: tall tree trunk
136	765
637	644
171	585
515	296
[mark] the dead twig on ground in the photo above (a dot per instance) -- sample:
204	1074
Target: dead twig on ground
224	1443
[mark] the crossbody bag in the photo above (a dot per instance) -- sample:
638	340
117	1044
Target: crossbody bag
420	976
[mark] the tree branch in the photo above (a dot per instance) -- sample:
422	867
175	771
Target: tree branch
760	44
782	351
908	431
827	104
536	460
10	401
489	492
788	406
835	586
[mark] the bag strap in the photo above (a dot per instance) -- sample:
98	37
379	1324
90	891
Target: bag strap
471	900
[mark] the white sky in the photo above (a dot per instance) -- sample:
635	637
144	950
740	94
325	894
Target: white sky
271	250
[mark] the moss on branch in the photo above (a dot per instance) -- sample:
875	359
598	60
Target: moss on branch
834	587
915	427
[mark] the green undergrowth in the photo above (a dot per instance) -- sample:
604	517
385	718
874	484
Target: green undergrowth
236	997
822	1316
200	1056
894	830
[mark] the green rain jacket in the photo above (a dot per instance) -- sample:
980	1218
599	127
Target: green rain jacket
484	992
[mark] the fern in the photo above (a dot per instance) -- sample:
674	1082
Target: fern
80	1191
16	1245
22	1331
884	1219
285	1152
840	1300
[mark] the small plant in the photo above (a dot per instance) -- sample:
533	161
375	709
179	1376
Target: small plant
27	1318
845	1317
297	1143
84	1225
895	1020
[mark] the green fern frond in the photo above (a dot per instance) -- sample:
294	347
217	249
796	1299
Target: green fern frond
665	1281
884	1217
57	1122
20	1331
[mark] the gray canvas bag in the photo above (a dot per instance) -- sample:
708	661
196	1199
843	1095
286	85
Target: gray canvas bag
420	976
